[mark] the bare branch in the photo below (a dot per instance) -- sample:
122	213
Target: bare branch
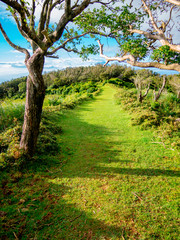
25	9
18	48
119	59
42	18
48	15
147	90
67	7
21	11
170	16
147	9
32	14
62	46
146	34
175	2
163	40
65	19
19	26
56	3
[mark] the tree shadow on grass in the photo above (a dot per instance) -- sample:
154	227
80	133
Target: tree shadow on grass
91	146
46	213
138	171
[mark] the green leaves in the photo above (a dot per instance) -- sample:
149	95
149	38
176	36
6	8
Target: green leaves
86	50
135	47
166	55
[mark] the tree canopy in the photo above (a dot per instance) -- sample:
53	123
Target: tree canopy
146	32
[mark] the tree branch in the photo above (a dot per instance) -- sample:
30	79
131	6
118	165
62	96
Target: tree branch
156	97
56	3
67	7
62	46
147	9
65	19
163	40
42	19
170	16
132	61
32	14
175	2
19	26
31	34
146	34
119	59
48	16
18	48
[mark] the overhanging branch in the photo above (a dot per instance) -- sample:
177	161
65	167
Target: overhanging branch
132	61
175	2
18	48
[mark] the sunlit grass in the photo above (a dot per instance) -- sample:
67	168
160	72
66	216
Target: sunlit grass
10	112
110	181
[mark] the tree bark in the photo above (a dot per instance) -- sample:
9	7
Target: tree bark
140	96
157	96
35	93
178	94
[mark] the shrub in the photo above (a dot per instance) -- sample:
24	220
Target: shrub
54	101
161	116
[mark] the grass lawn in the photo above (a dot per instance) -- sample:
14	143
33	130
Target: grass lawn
109	181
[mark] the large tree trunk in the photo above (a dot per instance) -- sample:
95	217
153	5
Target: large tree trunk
35	94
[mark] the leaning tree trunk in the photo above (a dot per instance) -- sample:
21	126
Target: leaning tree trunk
178	94
35	94
140	96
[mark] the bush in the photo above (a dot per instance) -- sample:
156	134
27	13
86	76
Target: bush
54	101
161	116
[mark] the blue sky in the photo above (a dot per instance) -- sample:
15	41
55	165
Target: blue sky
12	61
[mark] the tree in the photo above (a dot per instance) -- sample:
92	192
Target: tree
143	29
142	80
45	40
158	94
175	83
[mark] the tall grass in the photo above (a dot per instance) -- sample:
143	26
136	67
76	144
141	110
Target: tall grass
10	113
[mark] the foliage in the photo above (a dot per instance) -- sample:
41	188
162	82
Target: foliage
161	116
166	55
126	25
136	47
56	79
11	88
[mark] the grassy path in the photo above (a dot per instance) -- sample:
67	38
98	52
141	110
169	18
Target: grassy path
115	183
109	182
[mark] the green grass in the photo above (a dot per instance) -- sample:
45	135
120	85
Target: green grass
10	112
110	181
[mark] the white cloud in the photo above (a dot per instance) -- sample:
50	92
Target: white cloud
14	69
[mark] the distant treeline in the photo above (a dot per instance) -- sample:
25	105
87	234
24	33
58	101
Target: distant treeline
53	80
